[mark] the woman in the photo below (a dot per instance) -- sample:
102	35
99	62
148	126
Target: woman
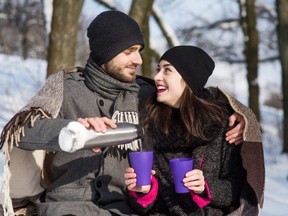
185	120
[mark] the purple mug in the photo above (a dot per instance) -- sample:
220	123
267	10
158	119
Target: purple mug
179	167
142	163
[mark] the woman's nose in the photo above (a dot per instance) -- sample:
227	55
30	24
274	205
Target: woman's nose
158	76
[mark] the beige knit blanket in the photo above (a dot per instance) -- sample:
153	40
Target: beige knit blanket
23	169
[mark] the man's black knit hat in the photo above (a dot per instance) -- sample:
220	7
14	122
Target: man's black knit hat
192	63
110	33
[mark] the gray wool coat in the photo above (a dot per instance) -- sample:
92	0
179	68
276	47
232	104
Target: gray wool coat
84	182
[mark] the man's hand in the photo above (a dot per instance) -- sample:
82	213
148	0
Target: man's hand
98	124
235	135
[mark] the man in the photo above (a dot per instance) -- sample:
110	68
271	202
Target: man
84	182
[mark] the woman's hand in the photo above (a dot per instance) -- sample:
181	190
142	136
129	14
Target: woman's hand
194	181
130	181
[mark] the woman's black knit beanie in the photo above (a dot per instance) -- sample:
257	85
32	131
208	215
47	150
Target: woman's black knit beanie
110	33
192	63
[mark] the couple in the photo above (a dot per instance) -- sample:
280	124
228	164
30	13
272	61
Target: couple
106	91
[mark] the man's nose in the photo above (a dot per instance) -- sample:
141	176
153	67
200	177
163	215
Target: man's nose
137	59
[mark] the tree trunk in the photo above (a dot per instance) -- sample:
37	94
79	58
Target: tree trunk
282	29
63	35
251	39
141	11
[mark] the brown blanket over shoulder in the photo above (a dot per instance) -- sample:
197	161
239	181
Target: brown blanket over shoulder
252	197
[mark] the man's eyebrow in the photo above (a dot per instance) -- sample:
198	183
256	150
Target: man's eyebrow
135	48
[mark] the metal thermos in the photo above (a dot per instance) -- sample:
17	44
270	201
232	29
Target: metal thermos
75	136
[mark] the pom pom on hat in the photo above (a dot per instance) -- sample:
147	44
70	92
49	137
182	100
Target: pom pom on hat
192	63
110	33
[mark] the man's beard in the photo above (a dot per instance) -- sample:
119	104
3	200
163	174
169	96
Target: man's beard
118	73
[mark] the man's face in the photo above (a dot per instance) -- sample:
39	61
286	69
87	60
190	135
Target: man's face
123	66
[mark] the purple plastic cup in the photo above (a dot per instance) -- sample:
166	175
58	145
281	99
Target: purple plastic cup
179	167
142	163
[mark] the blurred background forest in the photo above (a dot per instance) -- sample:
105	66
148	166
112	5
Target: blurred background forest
248	39
246	33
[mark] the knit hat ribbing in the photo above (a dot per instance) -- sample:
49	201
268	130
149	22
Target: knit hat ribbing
110	33
192	63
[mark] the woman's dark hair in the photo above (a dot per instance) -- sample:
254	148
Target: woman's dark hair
197	114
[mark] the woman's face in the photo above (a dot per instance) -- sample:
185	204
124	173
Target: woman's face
170	84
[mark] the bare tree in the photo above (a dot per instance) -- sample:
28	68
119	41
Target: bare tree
23	21
251	40
63	36
141	12
282	29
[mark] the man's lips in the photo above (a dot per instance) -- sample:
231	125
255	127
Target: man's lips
131	70
132	67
